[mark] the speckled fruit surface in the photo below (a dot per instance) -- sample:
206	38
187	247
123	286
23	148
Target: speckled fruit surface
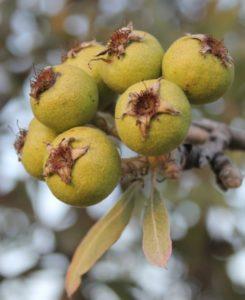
203	77
94	175
165	131
142	60
83	59
34	149
71	101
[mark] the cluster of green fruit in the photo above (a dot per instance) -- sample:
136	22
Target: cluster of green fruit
81	164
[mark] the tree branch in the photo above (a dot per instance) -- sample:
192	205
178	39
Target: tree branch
234	138
205	144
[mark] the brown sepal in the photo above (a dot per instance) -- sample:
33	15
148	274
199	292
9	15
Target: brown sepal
76	48
62	158
20	142
146	105
119	41
215	47
42	81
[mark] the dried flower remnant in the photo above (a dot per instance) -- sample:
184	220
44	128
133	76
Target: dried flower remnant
42	81
214	47
76	48
20	142
119	41
62	158
146	105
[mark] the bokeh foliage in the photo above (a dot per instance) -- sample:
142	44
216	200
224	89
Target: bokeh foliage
207	225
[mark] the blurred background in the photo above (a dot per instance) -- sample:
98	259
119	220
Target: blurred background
38	234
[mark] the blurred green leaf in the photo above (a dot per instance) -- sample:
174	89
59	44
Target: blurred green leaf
157	245
100	238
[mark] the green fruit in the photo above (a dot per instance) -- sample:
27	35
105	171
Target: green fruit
201	66
32	147
131	56
82	56
83	166
153	117
63	97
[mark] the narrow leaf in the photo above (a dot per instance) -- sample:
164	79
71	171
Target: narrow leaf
100	238
157	245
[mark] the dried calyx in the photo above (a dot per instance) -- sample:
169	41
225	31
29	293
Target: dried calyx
42	81
20	141
119	41
214	47
146	105
62	158
76	48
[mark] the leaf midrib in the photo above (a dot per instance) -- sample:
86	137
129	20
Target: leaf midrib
154	224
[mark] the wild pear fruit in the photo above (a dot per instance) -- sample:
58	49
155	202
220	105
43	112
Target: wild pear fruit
130	56
63	97
31	147
153	117
201	66
81	55
82	167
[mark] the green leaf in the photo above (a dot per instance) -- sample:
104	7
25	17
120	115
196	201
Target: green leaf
157	245
100	238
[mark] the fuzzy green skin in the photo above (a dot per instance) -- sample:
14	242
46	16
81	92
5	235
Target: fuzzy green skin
82	60
94	175
70	102
203	78
35	146
166	133
141	61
